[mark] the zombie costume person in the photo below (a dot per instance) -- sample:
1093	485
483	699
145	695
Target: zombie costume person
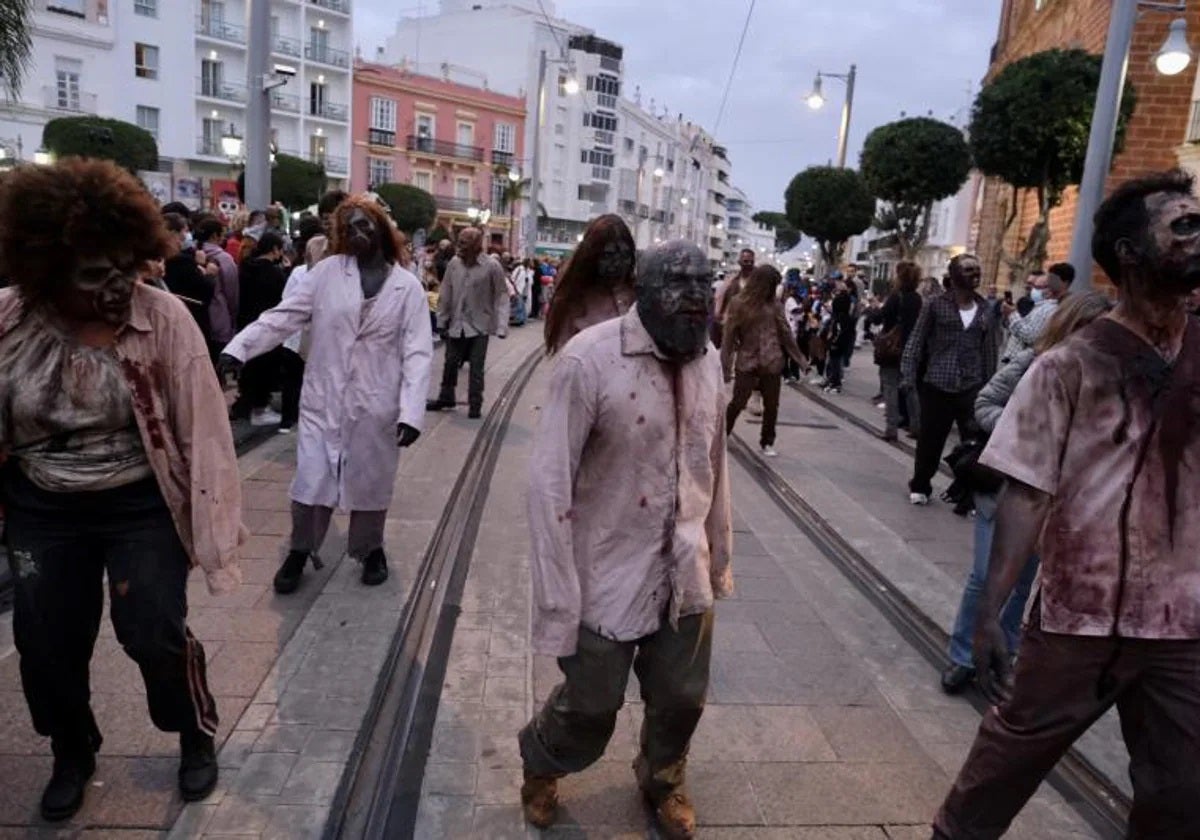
114	461
1101	447
364	389
630	514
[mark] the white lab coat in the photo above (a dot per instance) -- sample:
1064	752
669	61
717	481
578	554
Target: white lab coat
364	375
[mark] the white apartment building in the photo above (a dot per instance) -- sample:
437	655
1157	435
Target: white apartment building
648	183
743	232
178	69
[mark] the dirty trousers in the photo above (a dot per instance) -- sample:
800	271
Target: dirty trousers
471	351
1156	687
310	524
577	721
60	545
746	383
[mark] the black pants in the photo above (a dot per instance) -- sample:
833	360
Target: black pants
939	411
59	547
293	377
473	351
745	384
535	297
259	377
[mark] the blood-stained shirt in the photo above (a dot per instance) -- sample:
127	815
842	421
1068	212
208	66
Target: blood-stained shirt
1111	431
629	494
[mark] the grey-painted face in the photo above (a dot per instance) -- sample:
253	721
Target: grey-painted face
363	235
101	288
967	274
615	263
1173	243
674	296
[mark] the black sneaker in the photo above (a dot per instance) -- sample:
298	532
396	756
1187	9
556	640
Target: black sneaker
63	796
197	765
374	568
956	678
474	413
287	579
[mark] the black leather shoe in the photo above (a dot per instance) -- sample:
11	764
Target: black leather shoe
374	568
63	796
955	678
474	413
287	579
439	405
197	765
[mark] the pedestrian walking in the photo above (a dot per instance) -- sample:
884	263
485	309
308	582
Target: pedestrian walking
364	390
759	337
630	512
597	282
188	275
727	290
953	344
260	282
472	305
1100	448
896	319
112	464
223	308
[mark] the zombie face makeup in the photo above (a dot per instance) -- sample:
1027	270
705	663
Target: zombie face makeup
615	262
674	296
470	245
100	289
363	235
966	274
1172	244
746	262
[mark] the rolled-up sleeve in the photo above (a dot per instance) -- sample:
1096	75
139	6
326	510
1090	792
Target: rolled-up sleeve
565	425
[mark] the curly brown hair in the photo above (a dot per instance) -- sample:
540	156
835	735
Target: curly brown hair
51	216
391	238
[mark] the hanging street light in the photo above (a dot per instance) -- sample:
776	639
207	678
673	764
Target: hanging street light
816	100
1175	55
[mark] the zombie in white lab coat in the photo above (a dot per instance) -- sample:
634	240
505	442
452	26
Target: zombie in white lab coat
364	385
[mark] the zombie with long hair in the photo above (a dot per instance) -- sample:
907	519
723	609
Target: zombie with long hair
364	384
115	458
596	283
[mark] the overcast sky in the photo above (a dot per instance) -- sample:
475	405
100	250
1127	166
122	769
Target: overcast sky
914	56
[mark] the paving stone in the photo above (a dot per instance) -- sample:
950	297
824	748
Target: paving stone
138	792
760	734
312	781
283	738
500	692
443	817
738	637
457	743
501	822
236	747
604	794
296	822
866	734
498	786
507	667
264	774
329	745
455	778
825	832
841	794
239	815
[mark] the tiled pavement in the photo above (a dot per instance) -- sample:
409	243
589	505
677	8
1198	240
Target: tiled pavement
290	674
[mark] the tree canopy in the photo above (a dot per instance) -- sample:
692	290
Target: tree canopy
295	182
1030	127
786	236
125	144
830	205
412	207
16	42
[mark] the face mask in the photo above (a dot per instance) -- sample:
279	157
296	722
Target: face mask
1037	295
188	241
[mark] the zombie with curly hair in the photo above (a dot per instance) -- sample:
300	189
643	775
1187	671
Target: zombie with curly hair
114	461
365	380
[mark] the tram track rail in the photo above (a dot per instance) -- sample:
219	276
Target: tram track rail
1100	802
380	790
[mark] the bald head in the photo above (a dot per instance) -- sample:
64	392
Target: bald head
470	244
674	289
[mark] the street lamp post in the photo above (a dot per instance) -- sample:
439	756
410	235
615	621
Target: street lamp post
1172	59
816	100
571	87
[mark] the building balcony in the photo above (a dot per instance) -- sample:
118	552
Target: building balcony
74	103
209	147
285	102
454	203
225	91
219	30
328	111
379	137
339	6
326	55
332	163
505	159
291	47
441	148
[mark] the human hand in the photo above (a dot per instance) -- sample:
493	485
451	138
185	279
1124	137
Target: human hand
991	658
406	435
227	364
212	269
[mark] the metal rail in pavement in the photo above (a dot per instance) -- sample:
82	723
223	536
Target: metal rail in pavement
1100	802
381	788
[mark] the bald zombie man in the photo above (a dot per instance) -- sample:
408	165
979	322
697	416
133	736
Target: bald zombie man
630	516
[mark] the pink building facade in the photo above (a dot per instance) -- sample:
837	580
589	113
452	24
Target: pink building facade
457	142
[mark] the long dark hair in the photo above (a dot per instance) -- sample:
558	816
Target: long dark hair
578	277
757	293
908	276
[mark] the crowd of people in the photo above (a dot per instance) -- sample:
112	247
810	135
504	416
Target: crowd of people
1077	455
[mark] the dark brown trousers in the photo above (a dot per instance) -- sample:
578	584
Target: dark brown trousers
1063	685
745	384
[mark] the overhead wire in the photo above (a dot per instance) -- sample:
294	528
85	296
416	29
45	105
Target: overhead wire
732	70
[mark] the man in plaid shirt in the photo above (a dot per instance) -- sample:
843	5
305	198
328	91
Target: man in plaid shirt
951	354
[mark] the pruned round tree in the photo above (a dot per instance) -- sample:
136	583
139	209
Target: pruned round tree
830	205
412	207
786	236
125	144
910	164
295	182
1030	128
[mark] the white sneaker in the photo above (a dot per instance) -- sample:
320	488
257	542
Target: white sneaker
265	417
919	499
881	406
769	452
285	430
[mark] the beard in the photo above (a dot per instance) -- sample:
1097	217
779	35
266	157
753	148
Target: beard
680	337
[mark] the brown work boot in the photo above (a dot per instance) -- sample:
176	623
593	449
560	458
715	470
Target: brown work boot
675	814
539	800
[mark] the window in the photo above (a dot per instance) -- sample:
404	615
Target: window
210	141
423	181
505	138
211	74
466	134
383	113
425	125
462	188
316	99
600	121
316	148
596	157
145	61
66	76
628	144
604	84
499	193
146	8
379	171
147	118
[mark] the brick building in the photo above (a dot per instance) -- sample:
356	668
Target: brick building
1160	134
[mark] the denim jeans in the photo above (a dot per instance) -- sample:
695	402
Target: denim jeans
1014	610
833	369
